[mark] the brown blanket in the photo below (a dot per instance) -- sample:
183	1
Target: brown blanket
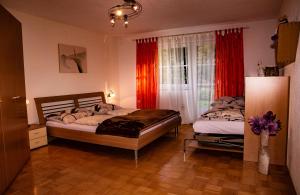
130	125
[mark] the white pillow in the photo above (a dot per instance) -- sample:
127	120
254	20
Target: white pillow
103	108
75	114
54	117
70	118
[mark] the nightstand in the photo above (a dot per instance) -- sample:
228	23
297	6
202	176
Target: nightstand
37	136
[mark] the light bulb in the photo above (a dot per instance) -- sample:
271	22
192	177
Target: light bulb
126	23
119	12
112	20
135	7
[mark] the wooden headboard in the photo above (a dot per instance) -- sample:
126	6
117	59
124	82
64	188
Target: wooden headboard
55	104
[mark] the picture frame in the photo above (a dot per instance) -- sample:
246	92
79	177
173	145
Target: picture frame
72	59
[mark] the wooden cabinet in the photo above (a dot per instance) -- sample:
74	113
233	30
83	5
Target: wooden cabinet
14	146
287	43
37	136
264	94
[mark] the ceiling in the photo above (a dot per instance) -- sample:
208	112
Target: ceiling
156	15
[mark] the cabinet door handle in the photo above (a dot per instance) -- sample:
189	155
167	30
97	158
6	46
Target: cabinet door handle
16	97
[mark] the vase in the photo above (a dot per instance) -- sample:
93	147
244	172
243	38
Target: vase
264	138
263	156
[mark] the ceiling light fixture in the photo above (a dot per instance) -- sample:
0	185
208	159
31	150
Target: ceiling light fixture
128	10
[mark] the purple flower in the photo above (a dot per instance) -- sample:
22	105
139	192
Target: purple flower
257	124
269	116
266	122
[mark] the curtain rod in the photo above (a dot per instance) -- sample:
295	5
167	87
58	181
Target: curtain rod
245	27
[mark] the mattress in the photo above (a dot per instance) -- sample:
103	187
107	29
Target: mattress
219	127
72	126
92	129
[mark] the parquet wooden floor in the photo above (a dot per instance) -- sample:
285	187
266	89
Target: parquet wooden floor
66	167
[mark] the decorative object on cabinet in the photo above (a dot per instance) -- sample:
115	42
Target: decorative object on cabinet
286	42
37	136
260	70
14	146
271	71
72	59
261	95
264	126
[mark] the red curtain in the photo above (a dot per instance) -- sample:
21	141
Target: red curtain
146	73
229	78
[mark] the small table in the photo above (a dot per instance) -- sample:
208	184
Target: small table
37	136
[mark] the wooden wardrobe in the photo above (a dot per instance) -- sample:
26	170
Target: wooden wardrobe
14	147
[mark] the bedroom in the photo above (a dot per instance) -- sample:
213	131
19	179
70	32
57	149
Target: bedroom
111	66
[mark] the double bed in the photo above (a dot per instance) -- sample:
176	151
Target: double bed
86	132
221	127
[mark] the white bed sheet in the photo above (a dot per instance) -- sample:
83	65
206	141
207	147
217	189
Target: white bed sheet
219	127
90	128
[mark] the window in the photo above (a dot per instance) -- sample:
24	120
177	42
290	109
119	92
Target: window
187	69
174	66
206	75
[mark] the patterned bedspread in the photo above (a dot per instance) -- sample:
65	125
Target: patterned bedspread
226	108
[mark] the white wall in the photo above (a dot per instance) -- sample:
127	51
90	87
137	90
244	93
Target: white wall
257	46
257	41
127	72
293	154
42	77
291	8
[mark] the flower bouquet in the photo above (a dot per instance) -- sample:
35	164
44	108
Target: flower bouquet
264	126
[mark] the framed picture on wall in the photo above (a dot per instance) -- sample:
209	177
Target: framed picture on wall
72	59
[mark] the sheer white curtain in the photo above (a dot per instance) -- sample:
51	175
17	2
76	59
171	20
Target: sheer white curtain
187	71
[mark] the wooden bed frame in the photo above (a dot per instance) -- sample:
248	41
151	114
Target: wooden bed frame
48	105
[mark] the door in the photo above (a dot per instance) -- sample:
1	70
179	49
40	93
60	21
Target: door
12	93
19	100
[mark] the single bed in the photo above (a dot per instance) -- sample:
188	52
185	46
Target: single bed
220	128
86	133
